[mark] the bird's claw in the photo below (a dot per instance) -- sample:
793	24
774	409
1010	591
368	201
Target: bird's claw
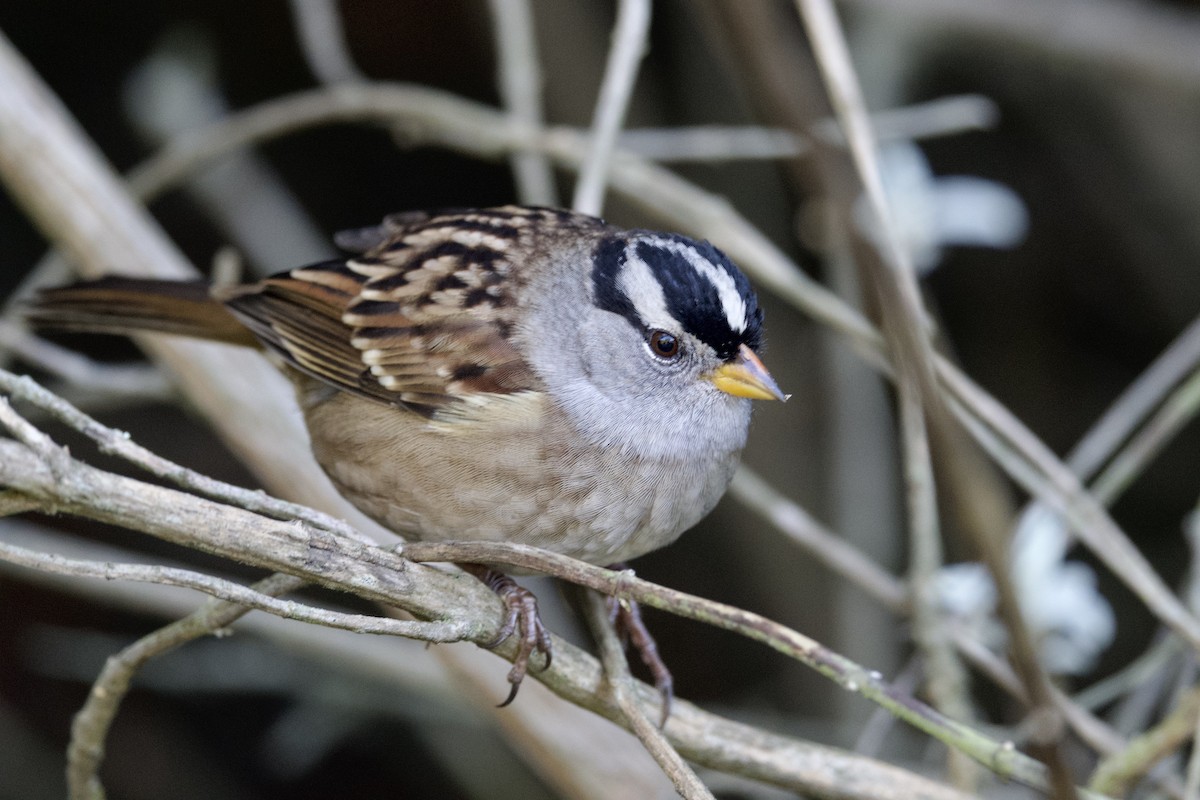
522	619
626	617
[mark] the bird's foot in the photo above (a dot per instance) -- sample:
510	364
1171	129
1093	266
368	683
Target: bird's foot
522	619
626	617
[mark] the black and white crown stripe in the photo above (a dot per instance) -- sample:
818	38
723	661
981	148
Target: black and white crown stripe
731	297
671	282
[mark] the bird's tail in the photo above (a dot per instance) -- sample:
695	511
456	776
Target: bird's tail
124	306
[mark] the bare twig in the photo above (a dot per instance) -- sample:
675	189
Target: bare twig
945	677
25	433
520	77
52	269
1156	42
118	443
1034	467
323	41
891	275
831	550
997	756
401	664
1090	729
1142	669
16	503
139	380
870	739
1180	358
233	593
1116	774
1179	408
941	117
842	559
616	673
50	167
628	48
89	731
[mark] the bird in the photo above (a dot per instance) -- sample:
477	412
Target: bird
516	374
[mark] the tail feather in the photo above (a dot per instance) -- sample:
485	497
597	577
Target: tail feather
120	305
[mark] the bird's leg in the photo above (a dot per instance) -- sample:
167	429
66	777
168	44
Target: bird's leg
522	618
626	617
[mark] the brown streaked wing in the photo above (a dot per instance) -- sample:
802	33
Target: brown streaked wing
418	319
299	316
432	314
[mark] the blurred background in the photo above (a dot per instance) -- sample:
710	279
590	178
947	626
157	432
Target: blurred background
1046	176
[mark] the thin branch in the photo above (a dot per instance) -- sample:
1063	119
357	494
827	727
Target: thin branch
89	730
1177	411
1031	463
941	116
842	559
713	143
52	269
401	664
616	673
1116	774
628	48
1000	757
519	74
832	551
945	679
16	503
944	116
1181	358
323	41
27	434
1092	730
52	169
231	592
1141	670
119	443
876	729
137	380
891	275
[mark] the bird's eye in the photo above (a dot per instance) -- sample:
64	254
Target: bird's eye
664	344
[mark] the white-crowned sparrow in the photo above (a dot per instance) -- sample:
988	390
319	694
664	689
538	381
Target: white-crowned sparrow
511	374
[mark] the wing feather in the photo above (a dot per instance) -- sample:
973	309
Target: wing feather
419	318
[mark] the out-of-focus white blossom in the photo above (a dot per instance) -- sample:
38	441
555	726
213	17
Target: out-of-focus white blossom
931	212
1071	621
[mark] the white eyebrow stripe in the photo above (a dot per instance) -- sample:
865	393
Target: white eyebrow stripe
636	280
731	299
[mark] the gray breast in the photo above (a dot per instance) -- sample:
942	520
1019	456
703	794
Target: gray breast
518	481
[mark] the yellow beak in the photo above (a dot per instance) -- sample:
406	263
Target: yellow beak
746	377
